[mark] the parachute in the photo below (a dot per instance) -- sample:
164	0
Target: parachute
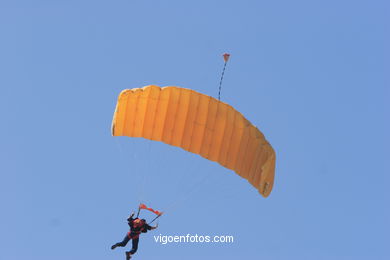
199	124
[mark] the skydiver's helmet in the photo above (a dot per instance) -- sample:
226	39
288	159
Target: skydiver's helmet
138	222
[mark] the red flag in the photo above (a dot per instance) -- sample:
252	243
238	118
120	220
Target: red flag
143	206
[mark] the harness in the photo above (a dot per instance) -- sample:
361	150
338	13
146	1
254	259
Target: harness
136	228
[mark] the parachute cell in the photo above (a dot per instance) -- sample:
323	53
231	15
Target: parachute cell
199	124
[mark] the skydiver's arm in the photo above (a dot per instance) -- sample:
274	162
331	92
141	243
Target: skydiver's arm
147	227
131	216
130	219
151	228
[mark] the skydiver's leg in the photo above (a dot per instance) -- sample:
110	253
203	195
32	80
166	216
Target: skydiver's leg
123	243
135	245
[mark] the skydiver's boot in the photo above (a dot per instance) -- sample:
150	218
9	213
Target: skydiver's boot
114	246
128	255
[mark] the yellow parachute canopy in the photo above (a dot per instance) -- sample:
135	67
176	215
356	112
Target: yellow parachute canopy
199	124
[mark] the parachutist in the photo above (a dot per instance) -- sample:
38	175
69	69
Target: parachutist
137	226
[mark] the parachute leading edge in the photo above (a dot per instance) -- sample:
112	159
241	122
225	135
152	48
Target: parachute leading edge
199	124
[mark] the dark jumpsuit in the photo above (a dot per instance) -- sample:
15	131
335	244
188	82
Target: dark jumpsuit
133	234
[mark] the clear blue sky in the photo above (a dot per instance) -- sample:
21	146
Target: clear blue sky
312	75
